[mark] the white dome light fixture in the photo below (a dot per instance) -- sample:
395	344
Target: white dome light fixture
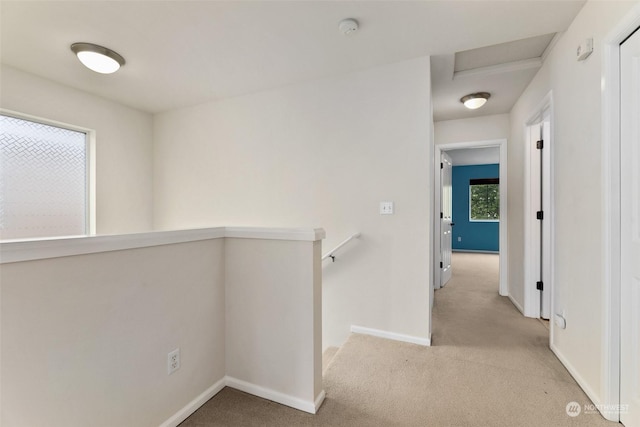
475	100
348	26
98	58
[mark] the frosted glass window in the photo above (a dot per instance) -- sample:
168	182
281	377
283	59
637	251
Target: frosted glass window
43	180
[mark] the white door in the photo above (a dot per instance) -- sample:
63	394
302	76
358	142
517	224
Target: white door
630	231
446	216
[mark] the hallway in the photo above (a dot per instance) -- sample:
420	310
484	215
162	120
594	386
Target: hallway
488	366
471	321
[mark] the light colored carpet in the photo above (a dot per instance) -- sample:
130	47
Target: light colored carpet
488	366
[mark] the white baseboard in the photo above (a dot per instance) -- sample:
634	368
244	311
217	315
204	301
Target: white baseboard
391	335
595	398
193	406
518	306
319	400
294	402
285	399
265	393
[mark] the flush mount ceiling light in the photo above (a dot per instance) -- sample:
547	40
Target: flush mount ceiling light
348	26
98	58
475	100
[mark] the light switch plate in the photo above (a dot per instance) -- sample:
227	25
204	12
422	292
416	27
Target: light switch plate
386	208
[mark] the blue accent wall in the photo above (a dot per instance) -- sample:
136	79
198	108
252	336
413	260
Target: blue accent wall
473	235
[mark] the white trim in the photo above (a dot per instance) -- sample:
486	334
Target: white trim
28	250
516	304
91	184
436	223
319	400
44	121
391	335
504	246
276	396
550	46
543	110
227	381
611	208
475	251
523	64
584	385
32	249
611	228
431	241
530	307
504	250
300	234
193	406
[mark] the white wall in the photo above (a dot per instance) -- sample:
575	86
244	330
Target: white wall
123	144
577	157
482	128
323	153
85	338
86	324
273	322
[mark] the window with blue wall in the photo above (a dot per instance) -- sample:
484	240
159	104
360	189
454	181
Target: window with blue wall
472	235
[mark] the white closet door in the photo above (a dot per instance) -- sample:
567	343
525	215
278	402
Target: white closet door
630	231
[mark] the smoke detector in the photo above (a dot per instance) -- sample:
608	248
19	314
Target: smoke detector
348	26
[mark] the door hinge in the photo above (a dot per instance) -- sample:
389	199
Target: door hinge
441	165
539	286
540	144
441	264
540	215
441	215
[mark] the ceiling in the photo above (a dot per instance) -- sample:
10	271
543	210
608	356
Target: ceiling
504	70
181	53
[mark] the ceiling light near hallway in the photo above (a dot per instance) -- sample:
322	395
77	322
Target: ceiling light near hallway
97	58
475	100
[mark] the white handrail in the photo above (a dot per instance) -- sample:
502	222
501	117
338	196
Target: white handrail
331	255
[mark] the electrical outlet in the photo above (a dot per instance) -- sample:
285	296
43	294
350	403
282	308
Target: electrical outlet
173	361
459	239
386	208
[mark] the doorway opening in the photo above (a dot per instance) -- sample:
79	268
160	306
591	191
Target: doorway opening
446	238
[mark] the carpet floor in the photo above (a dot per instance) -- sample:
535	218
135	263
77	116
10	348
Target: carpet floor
487	366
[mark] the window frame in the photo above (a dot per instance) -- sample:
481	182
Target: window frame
483	181
90	166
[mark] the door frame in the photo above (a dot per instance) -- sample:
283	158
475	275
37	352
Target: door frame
502	145
611	211
531	294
